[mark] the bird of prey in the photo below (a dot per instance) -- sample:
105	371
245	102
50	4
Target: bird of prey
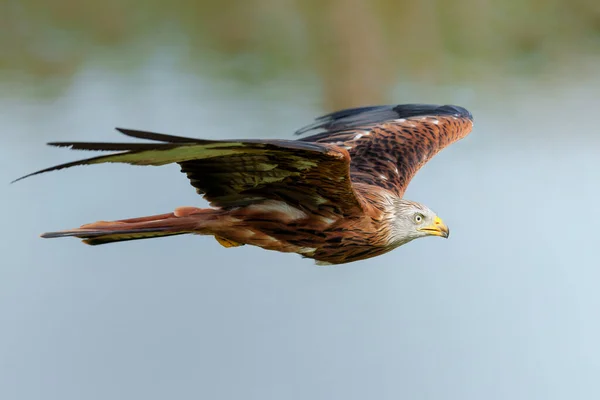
335	196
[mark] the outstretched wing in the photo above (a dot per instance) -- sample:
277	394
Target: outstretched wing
235	173
389	144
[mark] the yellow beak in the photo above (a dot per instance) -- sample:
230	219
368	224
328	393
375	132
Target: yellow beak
437	229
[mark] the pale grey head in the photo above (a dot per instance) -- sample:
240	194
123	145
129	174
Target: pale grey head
412	220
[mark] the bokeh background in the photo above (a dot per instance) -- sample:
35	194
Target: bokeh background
507	308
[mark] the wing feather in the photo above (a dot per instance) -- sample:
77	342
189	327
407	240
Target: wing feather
159	137
239	172
389	144
379	145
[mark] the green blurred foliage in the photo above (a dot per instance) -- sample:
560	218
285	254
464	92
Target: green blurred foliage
356	48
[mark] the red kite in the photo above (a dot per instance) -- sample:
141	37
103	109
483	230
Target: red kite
335	196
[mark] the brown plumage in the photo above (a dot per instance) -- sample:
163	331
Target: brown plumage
335	196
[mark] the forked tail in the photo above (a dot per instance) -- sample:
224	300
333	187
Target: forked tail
183	220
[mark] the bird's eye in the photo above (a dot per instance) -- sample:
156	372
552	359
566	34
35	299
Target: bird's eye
419	218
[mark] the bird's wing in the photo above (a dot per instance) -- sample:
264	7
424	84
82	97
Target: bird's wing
240	172
389	144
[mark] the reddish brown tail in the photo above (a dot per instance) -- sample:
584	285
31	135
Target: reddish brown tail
183	220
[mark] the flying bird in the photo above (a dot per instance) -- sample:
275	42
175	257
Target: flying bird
335	196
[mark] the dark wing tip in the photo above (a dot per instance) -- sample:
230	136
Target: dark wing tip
418	110
159	137
459	111
55	168
364	116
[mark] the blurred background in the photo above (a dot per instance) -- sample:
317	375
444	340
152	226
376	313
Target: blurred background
507	308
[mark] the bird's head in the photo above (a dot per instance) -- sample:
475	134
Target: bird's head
413	220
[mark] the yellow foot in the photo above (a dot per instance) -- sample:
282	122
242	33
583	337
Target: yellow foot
226	242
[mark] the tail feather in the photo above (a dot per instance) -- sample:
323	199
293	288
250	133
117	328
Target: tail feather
103	232
96	237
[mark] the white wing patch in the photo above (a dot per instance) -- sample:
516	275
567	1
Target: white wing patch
307	250
278	207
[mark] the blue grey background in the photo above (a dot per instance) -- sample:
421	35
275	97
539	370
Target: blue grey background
507	308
